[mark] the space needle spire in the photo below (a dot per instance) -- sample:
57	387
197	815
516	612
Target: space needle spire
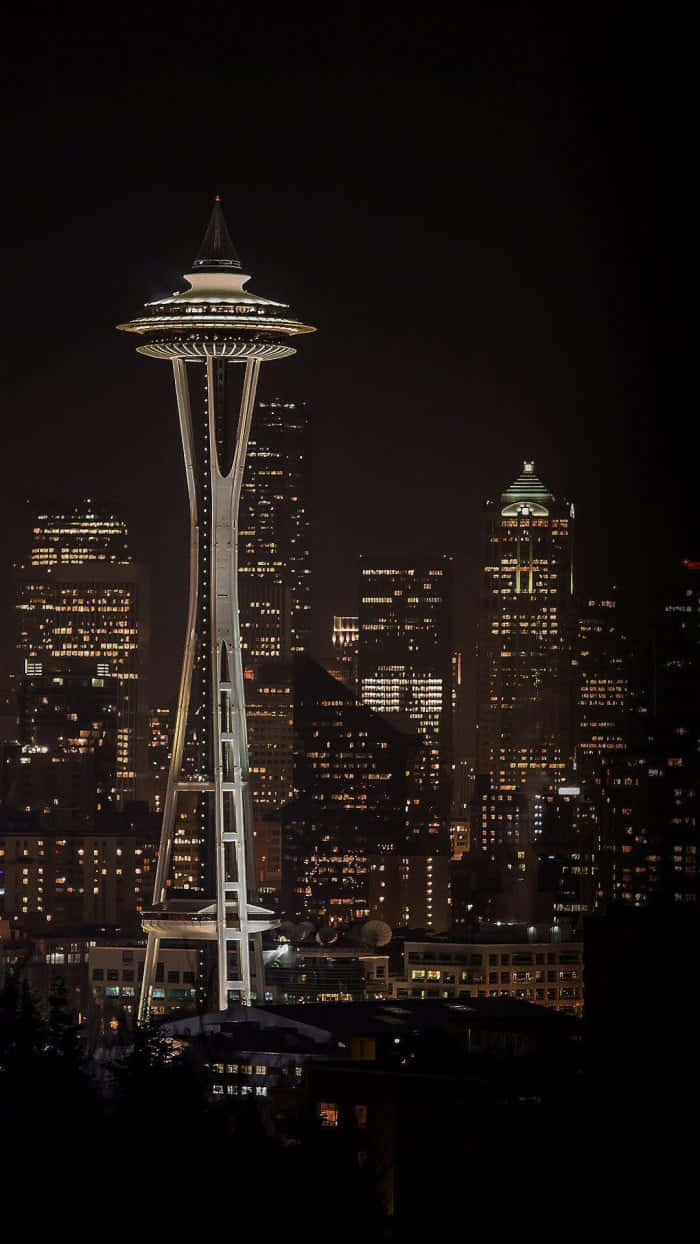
216	334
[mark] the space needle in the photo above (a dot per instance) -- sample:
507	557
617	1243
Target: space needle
216	334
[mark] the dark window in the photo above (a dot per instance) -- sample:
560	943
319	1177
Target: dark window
493	978
505	958
413	957
112	974
505	978
128	974
477	959
445	958
188	978
98	974
173	978
539	958
493	958
127	956
380	970
460	958
160	972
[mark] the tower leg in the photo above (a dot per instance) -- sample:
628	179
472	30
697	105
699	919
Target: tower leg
149	975
167	835
232	805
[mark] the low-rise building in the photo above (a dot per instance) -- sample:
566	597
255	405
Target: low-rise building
549	974
115	972
326	974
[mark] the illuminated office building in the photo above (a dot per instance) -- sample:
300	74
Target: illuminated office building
566	853
525	633
602	686
350	785
345	641
160	736
648	835
270	710
274	539
99	877
407	671
82	608
410	891
524	712
84	534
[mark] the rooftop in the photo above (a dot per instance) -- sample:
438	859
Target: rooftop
528	487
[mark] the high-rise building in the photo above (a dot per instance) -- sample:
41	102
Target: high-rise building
350	767
648	831
216	334
410	891
407	670
99	877
160	738
275	544
524	712
566	853
270	711
83	617
345	642
602	686
523	691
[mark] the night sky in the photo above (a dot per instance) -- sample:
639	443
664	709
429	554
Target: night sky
464	206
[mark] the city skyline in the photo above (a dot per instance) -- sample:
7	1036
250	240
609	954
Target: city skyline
512	199
349	704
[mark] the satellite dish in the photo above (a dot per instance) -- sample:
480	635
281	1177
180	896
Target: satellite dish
376	933
326	936
305	930
287	932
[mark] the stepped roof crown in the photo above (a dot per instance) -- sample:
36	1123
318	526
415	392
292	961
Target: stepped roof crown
527	492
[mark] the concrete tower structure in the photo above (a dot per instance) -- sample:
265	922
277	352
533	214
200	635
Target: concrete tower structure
210	332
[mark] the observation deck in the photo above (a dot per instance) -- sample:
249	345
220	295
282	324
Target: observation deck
216	317
194	920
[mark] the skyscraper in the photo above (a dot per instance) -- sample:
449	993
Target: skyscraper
350	767
406	669
275	547
345	641
648	834
206	331
83	631
602	686
523	709
524	712
270	711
